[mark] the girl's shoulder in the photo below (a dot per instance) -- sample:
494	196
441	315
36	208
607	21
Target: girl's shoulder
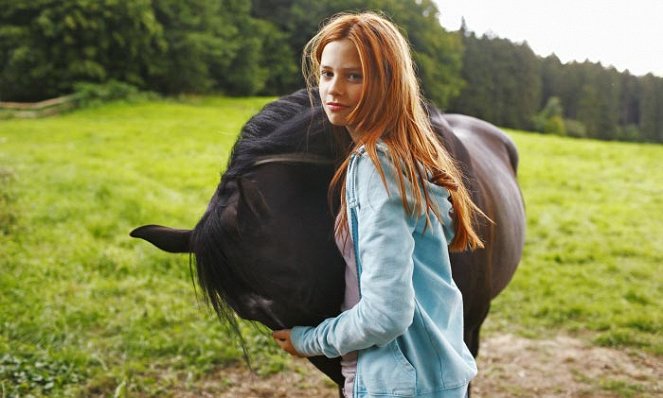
382	163
381	148
364	166
372	181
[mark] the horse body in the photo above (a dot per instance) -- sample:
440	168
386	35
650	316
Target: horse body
265	247
489	159
495	161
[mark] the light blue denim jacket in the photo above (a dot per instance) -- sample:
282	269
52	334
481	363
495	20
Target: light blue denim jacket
408	324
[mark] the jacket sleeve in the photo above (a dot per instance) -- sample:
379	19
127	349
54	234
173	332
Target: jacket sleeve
386	245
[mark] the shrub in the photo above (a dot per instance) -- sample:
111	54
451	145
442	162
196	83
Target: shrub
550	120
630	132
89	94
575	128
555	125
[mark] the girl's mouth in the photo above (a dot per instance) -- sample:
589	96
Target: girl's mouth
335	106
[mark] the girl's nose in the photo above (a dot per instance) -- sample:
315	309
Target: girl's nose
336	87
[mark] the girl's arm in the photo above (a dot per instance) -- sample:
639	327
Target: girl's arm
386	307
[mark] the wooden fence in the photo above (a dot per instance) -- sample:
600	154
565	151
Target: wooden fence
33	110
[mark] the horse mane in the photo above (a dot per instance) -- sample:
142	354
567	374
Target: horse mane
291	124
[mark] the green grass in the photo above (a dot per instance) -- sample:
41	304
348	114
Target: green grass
95	307
594	242
87	311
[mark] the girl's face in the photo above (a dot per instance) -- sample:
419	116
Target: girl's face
341	81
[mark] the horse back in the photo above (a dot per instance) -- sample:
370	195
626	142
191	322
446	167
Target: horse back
490	161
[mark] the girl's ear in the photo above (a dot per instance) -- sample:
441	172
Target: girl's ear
165	238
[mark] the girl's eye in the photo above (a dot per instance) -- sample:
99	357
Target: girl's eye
326	74
354	77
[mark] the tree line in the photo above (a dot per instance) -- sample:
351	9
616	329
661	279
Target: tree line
509	85
253	47
235	47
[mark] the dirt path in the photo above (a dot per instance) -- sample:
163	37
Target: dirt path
564	367
509	366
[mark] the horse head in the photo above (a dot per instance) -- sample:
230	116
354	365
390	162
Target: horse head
264	248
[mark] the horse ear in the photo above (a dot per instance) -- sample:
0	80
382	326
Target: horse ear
165	238
251	196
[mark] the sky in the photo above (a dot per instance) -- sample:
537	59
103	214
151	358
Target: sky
625	34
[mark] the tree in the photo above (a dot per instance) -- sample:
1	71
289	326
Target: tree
651	108
203	40
47	46
629	100
436	52
598	104
503	83
169	46
277	60
476	97
552	78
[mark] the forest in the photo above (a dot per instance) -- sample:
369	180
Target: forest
50	48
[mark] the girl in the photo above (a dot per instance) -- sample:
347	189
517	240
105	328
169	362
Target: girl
402	203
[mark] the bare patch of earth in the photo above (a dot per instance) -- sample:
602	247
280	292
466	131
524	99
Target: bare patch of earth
509	366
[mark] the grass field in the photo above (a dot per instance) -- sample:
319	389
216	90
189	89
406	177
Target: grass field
594	244
87	311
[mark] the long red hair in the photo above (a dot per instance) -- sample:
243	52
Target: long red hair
391	109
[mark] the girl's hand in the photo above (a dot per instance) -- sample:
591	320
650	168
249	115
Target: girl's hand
282	338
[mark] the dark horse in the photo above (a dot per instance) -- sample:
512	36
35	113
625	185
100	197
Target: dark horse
265	249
